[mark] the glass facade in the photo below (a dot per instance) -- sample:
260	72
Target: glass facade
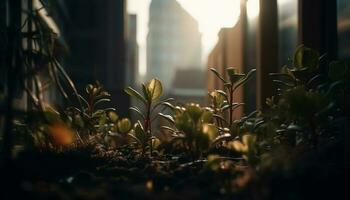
344	30
288	29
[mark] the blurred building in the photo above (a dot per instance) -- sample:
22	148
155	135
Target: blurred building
95	33
3	26
173	41
16	14
344	30
132	51
185	88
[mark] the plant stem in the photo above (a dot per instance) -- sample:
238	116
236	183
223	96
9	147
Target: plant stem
13	67
148	125
230	103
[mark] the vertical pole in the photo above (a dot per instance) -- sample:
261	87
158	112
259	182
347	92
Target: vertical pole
318	27
115	74
244	24
3	42
29	46
12	66
267	50
245	68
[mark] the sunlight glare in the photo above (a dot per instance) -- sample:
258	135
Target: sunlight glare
212	15
253	8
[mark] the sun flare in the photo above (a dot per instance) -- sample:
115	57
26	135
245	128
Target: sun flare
212	15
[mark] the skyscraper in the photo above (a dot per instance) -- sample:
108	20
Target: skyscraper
95	33
173	41
344	30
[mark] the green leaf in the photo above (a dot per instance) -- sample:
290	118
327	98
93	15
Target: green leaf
221	92
130	91
219	117
218	75
283	83
169	99
138	111
113	116
167	117
245	79
140	133
315	79
146	93
124	125
249	140
294	127
218	97
155	89
102	100
168	128
98	113
258	124
164	103
109	109
194	111
232	106
207	116
79	121
305	57
103	94
211	130
155	142
221	138
102	120
134	137
168	105
233	74
231	71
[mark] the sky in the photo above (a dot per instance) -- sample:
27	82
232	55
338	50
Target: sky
212	15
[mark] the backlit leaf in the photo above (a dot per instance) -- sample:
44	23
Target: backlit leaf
305	58
155	89
217	74
130	91
124	125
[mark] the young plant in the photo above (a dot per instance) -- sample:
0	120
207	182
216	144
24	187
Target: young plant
304	70
223	101
193	127
91	118
307	99
151	92
118	131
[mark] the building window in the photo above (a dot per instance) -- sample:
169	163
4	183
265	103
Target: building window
344	29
